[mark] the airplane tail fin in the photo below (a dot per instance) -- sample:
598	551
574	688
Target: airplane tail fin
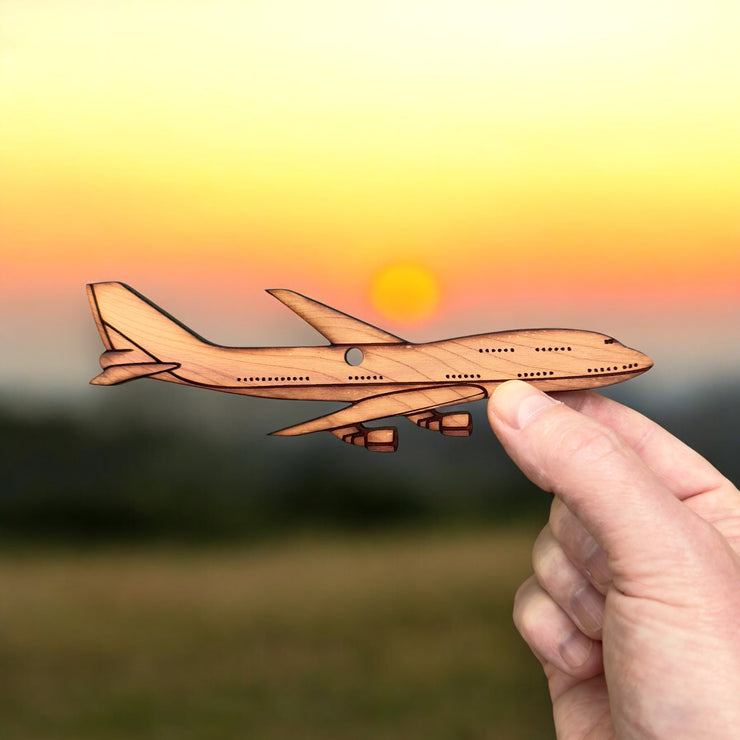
138	336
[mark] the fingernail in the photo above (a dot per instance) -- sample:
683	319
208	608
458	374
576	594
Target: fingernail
575	649
517	403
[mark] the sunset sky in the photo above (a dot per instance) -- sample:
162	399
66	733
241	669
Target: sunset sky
536	163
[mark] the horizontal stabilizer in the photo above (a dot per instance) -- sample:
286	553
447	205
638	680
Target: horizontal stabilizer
133	356
115	374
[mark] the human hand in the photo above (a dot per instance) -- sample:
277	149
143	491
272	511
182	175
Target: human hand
634	606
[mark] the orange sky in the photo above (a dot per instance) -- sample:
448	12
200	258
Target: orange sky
530	154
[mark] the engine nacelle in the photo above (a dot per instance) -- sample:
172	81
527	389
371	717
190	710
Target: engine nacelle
459	424
381	439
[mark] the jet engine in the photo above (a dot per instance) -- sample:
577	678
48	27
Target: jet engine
380	439
451	425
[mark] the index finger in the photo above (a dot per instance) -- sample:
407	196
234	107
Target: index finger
683	470
601	478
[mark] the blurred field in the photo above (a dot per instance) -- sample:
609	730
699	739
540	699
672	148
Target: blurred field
393	636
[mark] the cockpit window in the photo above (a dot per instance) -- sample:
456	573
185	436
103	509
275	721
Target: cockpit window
608	341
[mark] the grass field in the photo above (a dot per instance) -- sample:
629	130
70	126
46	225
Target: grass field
397	636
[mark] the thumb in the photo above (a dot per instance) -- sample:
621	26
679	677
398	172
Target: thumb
605	484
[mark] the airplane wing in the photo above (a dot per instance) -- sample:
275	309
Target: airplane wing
337	327
389	404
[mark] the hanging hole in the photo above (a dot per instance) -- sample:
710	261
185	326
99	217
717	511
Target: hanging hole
354	356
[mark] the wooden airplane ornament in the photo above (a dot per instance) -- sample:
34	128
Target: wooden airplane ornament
378	374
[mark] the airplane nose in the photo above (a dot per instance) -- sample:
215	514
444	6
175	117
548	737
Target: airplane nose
643	361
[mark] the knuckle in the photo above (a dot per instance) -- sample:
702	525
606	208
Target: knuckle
590	444
525	621
525	607
569	532
586	446
547	557
562	519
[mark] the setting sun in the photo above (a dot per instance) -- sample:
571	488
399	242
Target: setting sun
581	157
406	293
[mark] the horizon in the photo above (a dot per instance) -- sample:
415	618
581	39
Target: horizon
535	167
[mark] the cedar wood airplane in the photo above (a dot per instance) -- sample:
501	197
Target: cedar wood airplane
377	373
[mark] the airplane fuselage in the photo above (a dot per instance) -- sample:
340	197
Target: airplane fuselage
548	358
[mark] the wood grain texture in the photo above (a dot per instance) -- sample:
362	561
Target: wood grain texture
377	373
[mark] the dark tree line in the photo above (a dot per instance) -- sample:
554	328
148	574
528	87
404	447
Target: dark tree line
216	475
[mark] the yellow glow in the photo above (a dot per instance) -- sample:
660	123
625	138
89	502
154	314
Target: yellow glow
406	293
577	139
